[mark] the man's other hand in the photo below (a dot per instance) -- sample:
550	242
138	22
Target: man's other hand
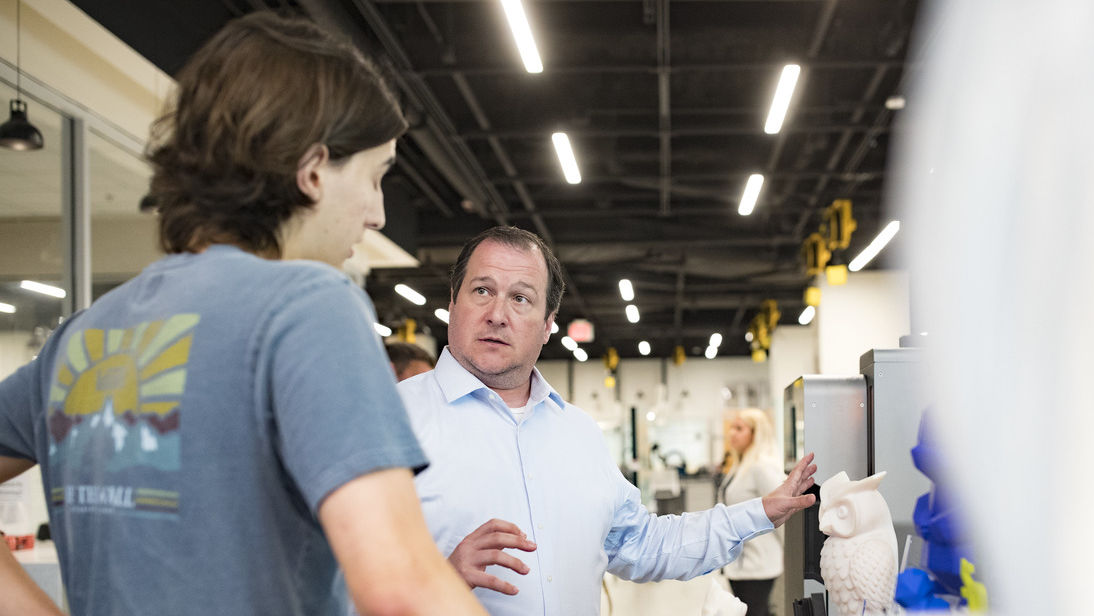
483	548
787	499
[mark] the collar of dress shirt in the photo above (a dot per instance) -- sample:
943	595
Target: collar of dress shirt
456	382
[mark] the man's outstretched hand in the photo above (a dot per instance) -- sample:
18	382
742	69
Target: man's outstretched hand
787	499
483	547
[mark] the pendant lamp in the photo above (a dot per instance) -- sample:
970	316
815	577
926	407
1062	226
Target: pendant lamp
18	133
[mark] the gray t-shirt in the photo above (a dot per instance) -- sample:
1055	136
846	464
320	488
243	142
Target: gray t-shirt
190	423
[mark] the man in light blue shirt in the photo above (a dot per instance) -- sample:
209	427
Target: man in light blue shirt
516	467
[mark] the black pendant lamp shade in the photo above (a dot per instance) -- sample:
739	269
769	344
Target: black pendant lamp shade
18	133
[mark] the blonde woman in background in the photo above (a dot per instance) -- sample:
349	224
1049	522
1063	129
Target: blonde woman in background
756	470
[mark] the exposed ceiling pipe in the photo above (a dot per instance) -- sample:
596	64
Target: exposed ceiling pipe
507	165
700	131
846	64
664	104
435	136
824	23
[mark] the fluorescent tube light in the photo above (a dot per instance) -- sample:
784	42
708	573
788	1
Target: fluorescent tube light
383	330
44	289
632	313
522	34
410	294
806	317
626	290
580	354
569	343
566	158
441	314
781	102
750	194
8	308
644	348
875	246
712	352
716	340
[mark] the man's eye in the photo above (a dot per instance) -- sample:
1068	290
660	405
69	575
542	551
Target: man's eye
480	290
520	299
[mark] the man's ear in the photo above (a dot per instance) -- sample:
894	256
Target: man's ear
547	326
308	179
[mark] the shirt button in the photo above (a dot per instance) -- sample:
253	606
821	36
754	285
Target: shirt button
539	526
529	477
550	579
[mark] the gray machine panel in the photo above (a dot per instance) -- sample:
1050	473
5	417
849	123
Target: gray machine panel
895	384
827	415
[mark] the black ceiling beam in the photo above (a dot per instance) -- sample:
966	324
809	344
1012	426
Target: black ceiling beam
653	69
442	249
714	110
691	131
820	32
664	104
435	133
728	175
599	1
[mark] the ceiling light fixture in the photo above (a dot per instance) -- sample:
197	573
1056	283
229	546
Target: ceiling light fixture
381	329
644	348
522	34
626	290
632	313
781	102
581	355
554	327
441	314
410	294
566	158
895	103
806	317
750	194
18	133
712	352
8	308
44	289
875	246
569	343
716	340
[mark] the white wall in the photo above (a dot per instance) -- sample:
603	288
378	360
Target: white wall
77	57
869	312
793	353
689	403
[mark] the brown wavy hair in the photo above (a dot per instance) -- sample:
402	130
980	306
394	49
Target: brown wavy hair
248	106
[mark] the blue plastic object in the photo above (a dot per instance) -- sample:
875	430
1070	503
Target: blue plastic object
936	519
916	591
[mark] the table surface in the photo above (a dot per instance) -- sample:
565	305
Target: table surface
44	552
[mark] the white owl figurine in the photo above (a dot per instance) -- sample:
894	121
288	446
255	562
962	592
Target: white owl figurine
859	557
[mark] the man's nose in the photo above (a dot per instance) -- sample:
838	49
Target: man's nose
496	313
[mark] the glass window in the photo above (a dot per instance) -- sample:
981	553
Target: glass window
30	238
123	239
31	250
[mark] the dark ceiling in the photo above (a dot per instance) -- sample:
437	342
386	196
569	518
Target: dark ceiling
665	104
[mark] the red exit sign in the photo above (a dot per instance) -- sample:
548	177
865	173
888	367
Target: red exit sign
580	330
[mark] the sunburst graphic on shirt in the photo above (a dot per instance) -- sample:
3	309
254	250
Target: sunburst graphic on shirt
116	394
